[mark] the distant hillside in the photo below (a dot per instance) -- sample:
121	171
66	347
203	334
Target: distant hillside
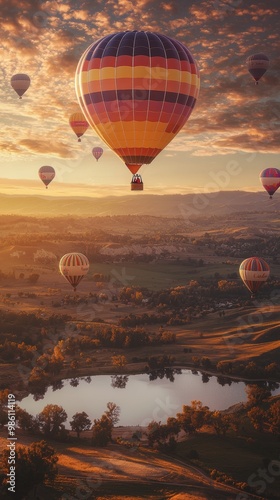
184	206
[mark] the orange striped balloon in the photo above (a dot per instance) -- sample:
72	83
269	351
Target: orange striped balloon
137	89
74	266
78	124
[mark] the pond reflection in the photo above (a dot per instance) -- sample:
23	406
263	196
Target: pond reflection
119	381
156	395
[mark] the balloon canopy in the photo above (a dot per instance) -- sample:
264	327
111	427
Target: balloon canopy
257	65
137	89
74	266
46	174
254	272
20	83
78	124
270	179
97	153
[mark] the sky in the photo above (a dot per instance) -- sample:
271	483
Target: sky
232	134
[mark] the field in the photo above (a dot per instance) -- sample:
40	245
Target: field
116	473
157	266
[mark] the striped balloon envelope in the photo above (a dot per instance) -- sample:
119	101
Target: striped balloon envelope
257	65
74	266
270	179
137	89
97	153
46	174
254	272
20	83
78	124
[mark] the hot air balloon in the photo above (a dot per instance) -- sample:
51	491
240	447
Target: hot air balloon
270	179
78	124
137	89
254	272
46	174
257	66
74	266
20	83
97	153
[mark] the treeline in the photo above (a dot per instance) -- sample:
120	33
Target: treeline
228	369
20	326
111	336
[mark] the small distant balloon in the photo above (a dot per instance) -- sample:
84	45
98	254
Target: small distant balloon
254	272
257	65
20	83
270	179
97	153
74	266
46	174
78	124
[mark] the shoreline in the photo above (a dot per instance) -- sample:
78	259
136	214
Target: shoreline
81	373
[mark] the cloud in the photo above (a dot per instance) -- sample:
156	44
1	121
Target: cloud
43	147
45	39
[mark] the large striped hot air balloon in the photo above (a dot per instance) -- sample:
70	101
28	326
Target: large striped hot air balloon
78	124
254	272
46	174
137	89
20	83
270	179
97	153
257	66
74	266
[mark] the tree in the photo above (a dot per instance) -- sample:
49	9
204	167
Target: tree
274	418
193	417
34	465
173	426
154	433
101	431
257	418
257	394
24	420
80	422
51	420
119	361
220	421
113	413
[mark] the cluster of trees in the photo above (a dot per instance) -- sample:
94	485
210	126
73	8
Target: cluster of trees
261	414
251	369
228	369
23	325
105	335
34	466
50	422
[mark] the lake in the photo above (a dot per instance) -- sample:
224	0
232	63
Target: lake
140	399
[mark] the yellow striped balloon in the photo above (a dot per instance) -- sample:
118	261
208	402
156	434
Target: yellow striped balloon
137	89
78	124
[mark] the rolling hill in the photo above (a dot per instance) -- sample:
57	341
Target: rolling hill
187	206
